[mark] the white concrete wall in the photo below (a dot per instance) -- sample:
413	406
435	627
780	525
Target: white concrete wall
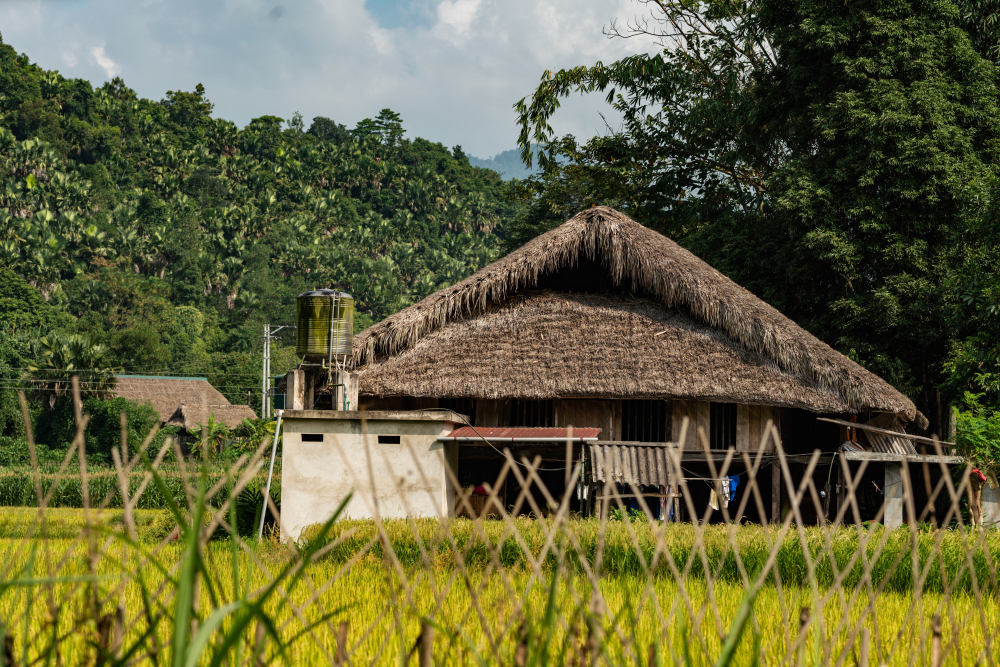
396	480
893	516
991	506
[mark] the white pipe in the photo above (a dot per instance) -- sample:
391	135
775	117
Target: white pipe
270	472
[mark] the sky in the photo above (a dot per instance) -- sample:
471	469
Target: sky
452	68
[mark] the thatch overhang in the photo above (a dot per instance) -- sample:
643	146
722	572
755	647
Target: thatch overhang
190	416
486	337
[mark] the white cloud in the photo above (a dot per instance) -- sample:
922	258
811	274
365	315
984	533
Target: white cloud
382	39
453	79
110	67
456	17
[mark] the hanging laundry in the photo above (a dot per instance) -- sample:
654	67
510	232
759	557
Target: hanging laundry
734	481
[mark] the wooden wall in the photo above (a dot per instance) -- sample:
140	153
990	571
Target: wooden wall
492	412
751	420
603	414
698	414
751	424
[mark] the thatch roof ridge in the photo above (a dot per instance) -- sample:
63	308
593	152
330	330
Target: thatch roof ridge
166	393
654	264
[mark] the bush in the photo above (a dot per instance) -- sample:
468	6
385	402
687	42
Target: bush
978	434
14	453
17	489
57	427
104	430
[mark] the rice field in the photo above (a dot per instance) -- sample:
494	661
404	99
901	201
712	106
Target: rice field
497	598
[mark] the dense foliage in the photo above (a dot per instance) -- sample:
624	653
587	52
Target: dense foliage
150	237
838	159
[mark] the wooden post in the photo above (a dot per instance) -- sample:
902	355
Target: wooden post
841	485
893	516
776	492
866	644
936	641
521	650
342	644
803	623
976	498
426	644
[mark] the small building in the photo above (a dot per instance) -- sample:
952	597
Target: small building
602	323
182	401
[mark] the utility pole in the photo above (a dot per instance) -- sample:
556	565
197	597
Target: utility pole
265	372
265	381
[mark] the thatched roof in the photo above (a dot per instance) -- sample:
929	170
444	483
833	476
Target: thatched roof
479	338
189	416
167	394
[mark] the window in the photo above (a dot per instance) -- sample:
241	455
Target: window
722	433
644	421
388	440
312	437
463	406
531	413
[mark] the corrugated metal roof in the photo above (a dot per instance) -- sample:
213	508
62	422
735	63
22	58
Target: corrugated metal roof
643	465
521	434
884	443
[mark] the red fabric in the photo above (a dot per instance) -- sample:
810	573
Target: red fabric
480	491
975	472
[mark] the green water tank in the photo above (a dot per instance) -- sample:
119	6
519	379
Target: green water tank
325	320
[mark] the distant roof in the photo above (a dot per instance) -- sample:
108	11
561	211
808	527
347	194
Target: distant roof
690	332
166	394
189	416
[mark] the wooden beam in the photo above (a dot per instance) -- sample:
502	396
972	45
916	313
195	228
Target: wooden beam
776	492
885	431
879	457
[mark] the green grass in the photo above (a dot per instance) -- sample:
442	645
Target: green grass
621	556
383	605
18	523
17	489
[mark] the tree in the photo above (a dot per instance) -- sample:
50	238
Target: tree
890	116
57	359
853	145
188	109
387	128
325	129
22	308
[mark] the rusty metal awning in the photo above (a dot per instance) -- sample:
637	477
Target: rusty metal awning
643	465
520	434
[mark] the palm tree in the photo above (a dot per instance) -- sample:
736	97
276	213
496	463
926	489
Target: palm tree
214	434
58	358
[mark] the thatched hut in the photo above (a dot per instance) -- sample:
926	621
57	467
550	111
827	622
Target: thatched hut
604	309
182	401
605	323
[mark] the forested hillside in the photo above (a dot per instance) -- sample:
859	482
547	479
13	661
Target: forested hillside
158	238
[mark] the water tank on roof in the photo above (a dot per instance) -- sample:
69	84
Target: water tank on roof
325	320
